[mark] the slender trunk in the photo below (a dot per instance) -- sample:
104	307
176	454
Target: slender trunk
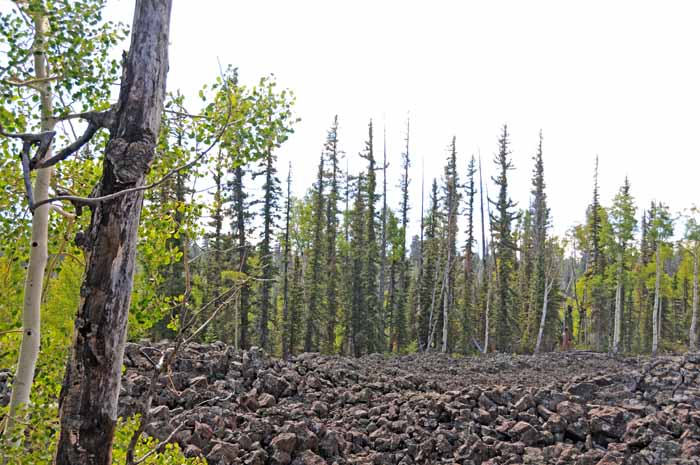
88	401
446	302
419	318
618	307
484	259
657	304
487	312
38	252
240	225
382	269
543	319
692	346
285	307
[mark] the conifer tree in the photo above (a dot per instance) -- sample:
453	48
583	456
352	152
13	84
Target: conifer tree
316	256
597	322
431	294
359	313
331	150
505	327
239	227
371	268
468	302
525	300
452	198
404	277
270	204
540	224
381	298
285	284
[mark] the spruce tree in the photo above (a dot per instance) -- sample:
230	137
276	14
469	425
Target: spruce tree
430	294
598	321
285	272
270	204
468	302
381	298
315	285
239	227
358	315
332	153
404	265
371	253
504	327
540	224
452	199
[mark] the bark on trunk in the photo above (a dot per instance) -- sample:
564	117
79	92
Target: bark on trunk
38	251
692	346
88	403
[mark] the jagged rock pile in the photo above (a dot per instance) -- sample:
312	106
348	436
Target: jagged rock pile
574	408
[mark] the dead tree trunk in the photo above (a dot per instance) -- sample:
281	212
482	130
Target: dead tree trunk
88	403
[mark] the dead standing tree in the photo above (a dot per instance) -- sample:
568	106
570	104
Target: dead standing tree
88	403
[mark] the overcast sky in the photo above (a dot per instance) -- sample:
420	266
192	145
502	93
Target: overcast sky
620	79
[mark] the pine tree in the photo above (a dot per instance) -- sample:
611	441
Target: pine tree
505	327
468	302
316	256
371	269
358	315
452	198
431	295
400	332
381	298
239	227
541	287
331	151
526	298
285	272
271	194
598	321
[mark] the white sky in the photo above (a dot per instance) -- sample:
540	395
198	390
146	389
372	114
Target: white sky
620	79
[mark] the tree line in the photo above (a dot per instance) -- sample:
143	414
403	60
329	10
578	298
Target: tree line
335	270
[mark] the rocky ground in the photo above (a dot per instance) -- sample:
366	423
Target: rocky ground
574	408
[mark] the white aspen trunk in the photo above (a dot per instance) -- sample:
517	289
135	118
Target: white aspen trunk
38	255
657	301
543	318
618	309
692	346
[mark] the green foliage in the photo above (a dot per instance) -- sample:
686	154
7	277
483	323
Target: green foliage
170	455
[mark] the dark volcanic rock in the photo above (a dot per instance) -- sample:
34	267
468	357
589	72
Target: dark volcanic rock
564	408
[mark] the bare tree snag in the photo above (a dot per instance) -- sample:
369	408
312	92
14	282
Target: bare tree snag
88	403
